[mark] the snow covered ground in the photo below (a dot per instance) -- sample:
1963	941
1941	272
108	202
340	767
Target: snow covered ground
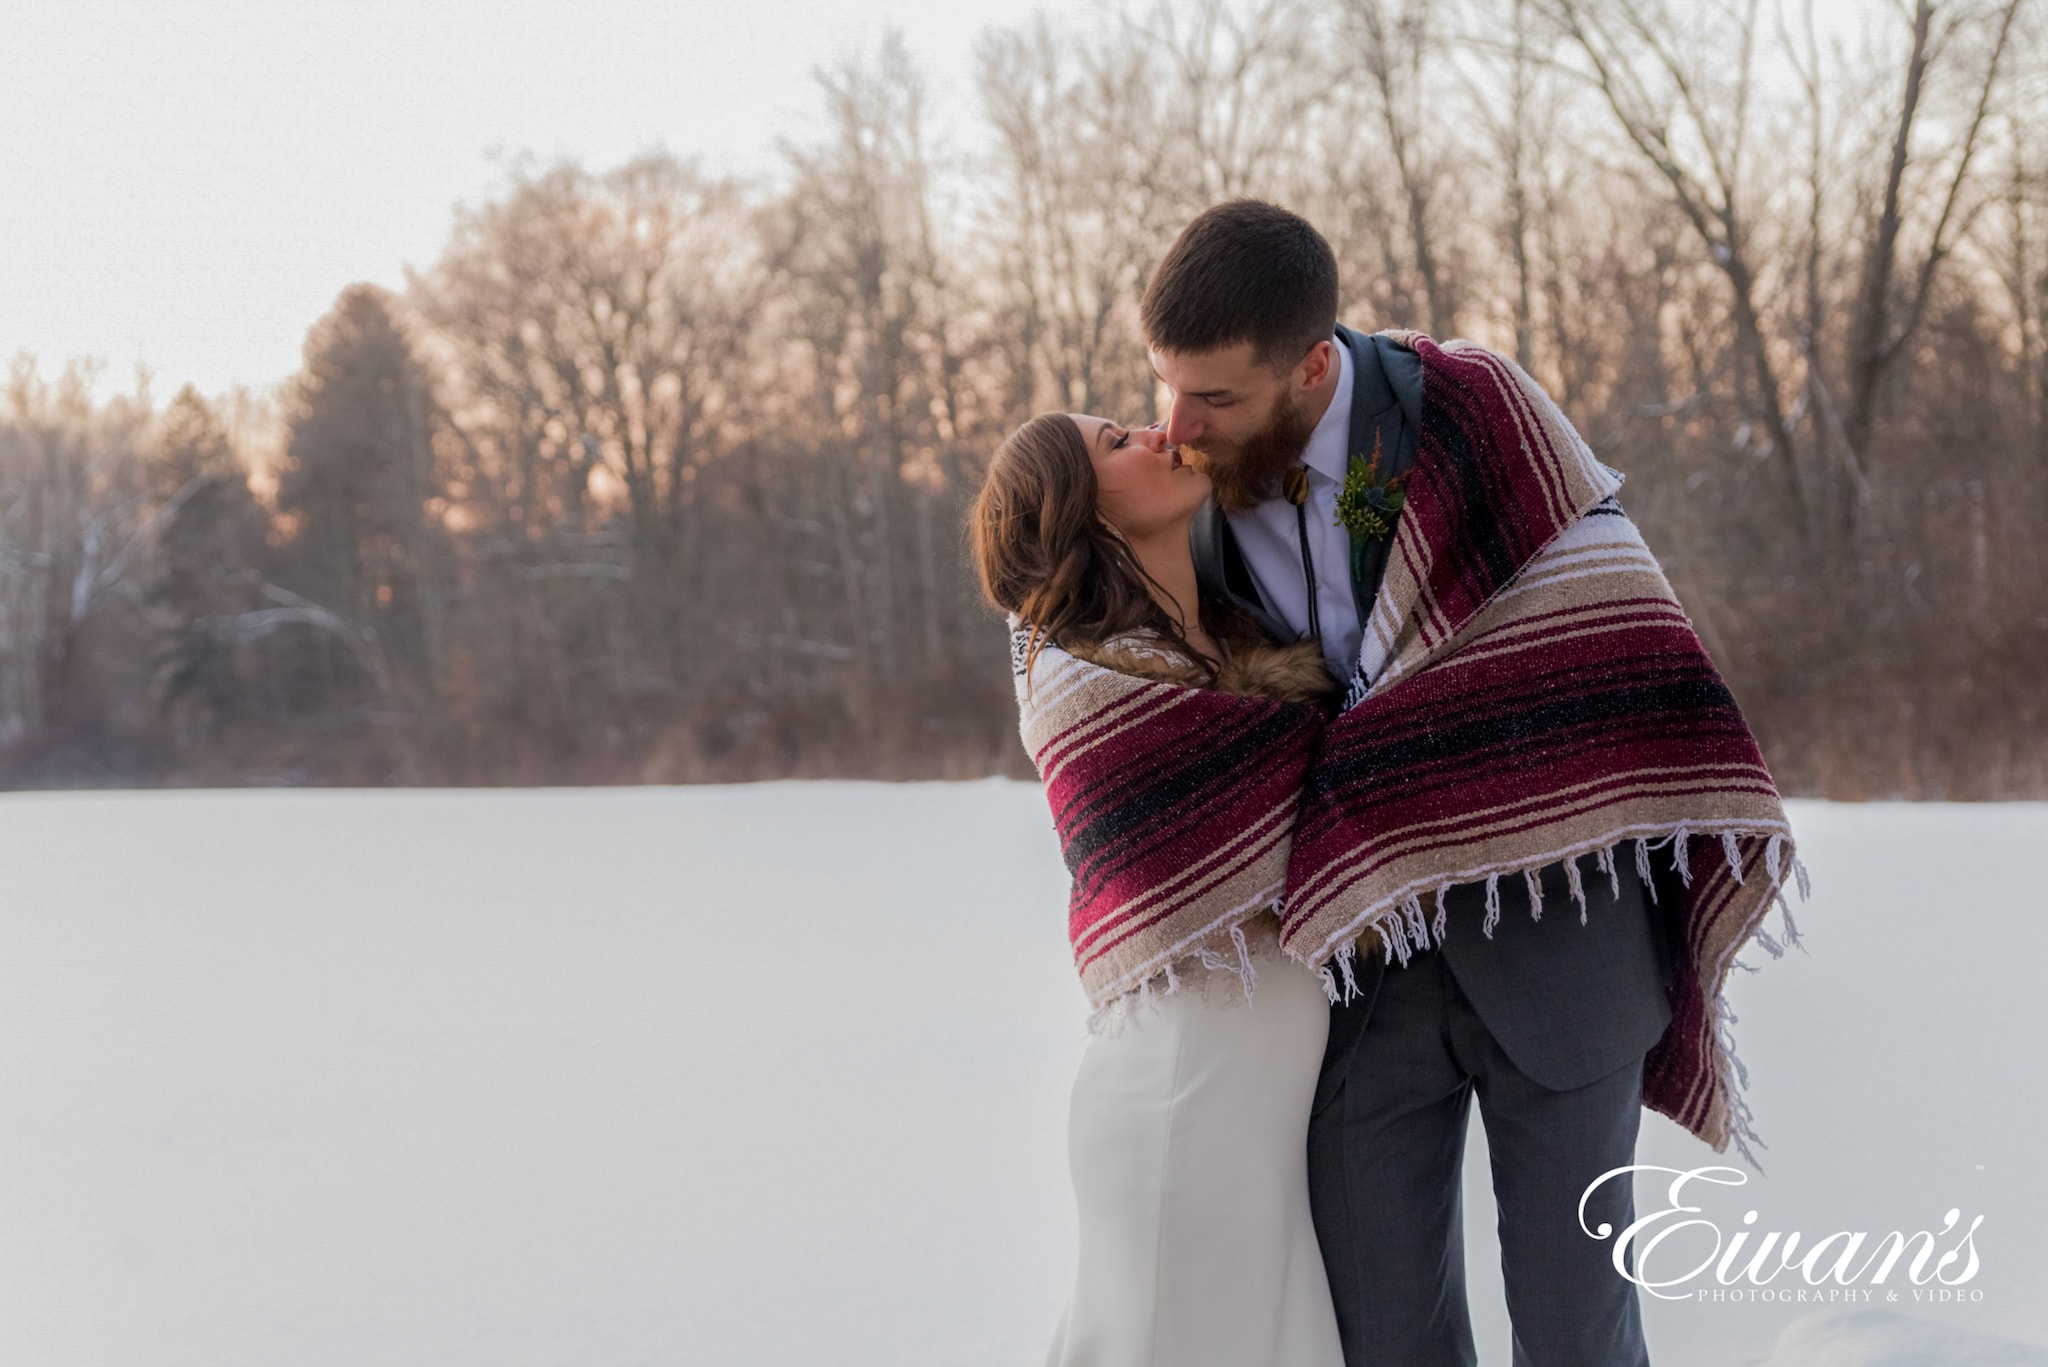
778	1075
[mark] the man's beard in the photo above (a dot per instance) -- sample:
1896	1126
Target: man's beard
1248	473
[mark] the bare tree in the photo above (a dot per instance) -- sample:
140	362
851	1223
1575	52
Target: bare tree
1086	201
591	336
1886	316
854	264
77	516
1681	91
1242	91
1393	42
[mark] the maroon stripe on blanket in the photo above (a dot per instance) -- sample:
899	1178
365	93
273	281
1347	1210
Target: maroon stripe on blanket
1317	888
1138	703
1541	628
1132	878
1166	787
1482	517
1182	870
1537	721
1116	931
1145	791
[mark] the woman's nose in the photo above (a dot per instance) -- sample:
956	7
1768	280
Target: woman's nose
1151	438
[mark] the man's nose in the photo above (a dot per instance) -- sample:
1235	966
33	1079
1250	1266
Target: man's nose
1180	428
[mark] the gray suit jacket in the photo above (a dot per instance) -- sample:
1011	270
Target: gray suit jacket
1569	1003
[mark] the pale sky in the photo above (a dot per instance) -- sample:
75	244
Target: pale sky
190	185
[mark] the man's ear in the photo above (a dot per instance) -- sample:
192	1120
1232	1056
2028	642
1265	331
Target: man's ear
1314	368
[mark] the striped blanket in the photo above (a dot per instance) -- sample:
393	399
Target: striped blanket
1528	691
1173	805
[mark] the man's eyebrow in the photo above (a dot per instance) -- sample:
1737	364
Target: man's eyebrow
1206	395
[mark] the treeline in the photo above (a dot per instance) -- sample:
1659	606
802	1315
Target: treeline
656	477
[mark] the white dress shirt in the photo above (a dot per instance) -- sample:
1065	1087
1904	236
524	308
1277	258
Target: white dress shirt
1269	536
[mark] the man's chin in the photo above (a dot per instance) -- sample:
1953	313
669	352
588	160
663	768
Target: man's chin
1233	492
1235	500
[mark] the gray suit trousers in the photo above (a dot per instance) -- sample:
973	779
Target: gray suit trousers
1387	1131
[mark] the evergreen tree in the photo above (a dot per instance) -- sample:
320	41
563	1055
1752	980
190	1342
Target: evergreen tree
357	483
206	570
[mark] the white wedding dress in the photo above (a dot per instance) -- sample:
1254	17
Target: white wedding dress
1188	1148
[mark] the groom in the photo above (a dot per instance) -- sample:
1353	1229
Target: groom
1546	1021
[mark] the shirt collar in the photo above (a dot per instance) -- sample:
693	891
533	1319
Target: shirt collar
1326	452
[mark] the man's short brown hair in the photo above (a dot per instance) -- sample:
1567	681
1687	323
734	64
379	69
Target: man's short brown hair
1244	271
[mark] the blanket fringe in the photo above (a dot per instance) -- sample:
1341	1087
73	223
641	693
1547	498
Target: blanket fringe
1394	936
1109	1017
1344	958
1418	928
1404	926
1735	1081
1246	974
1734	1074
1791	926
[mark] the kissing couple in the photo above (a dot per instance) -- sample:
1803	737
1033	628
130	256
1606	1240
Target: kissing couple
1390	774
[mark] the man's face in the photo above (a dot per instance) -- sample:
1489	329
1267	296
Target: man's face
1239	419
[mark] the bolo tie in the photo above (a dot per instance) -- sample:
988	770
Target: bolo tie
1294	484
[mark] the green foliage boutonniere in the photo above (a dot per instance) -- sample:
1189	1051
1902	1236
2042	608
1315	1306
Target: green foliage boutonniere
1368	504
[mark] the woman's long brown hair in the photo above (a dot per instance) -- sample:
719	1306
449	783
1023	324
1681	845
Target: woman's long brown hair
1043	552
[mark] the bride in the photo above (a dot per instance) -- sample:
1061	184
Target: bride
1188	1129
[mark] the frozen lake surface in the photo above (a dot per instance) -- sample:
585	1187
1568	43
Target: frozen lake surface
778	1074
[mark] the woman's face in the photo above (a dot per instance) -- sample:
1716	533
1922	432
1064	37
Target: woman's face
1141	485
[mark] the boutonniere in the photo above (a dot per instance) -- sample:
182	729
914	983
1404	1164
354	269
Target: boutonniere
1368	503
